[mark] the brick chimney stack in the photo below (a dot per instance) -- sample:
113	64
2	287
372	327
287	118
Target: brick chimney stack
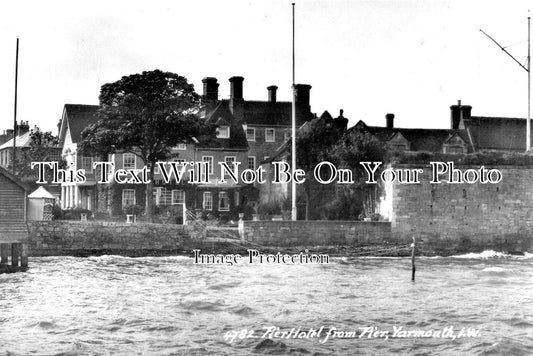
458	114
389	121
23	127
302	96
272	93
236	88
210	89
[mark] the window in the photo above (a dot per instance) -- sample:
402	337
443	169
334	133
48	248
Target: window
162	196
229	161
128	161
208	159
87	164
250	134
208	201
454	149
399	147
181	146
251	162
236	199
128	197
178	197
287	135
270	135
223	132
223	201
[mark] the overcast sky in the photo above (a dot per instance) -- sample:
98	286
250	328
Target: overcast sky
411	58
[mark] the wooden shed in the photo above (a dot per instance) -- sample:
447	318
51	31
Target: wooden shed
13	228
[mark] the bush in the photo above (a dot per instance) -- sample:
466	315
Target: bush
134	209
269	208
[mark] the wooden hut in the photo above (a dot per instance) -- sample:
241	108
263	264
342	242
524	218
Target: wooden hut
13	228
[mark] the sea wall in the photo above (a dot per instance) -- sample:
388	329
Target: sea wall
465	217
55	238
315	233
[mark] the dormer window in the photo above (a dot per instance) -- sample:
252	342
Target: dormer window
223	132
181	146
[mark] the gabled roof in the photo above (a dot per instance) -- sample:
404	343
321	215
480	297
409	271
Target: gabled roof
221	115
14	179
23	140
419	139
76	117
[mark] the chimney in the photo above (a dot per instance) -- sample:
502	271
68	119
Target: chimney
302	96
459	113
341	122
236	88
272	93
210	88
390	121
23	127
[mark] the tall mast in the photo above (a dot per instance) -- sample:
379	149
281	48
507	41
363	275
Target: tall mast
293	135
15	109
527	68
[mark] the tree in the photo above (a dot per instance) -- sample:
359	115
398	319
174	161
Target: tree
359	198
145	114
42	148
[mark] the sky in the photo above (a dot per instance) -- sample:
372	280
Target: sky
413	58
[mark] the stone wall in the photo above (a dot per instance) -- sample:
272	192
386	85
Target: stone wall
465	217
49	238
315	233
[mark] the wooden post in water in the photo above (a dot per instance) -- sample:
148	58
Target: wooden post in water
15	254
4	253
413	261
23	255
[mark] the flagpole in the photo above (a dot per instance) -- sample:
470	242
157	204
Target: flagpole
293	135
15	109
528	126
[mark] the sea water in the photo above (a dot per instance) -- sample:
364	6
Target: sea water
476	304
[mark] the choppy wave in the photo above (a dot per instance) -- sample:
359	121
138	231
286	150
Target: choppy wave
168	305
490	254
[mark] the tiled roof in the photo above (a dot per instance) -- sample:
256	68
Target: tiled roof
419	139
79	117
23	140
221	115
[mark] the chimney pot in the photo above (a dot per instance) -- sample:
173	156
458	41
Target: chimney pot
272	93
389	121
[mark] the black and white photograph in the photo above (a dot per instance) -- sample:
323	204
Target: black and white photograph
303	177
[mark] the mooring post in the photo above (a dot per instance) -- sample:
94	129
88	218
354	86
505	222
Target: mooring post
413	260
15	253
23	255
4	253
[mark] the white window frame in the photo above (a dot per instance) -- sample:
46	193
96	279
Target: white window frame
223	196
124	155
223	129
178	197
124	191
253	135
207	204
211	161
273	135
181	146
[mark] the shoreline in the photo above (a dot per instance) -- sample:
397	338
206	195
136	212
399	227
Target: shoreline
224	248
